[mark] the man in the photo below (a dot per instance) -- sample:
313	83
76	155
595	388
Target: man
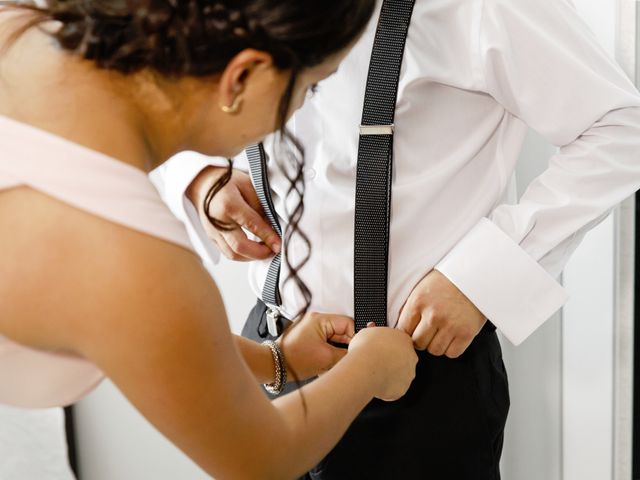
476	75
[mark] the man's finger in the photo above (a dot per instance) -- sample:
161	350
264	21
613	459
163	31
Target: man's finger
252	221
440	343
409	319
219	237
457	348
241	245
249	195
423	335
227	251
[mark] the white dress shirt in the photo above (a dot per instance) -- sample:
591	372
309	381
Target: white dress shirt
476	75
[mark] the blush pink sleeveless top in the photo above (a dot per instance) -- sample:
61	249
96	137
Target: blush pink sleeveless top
95	183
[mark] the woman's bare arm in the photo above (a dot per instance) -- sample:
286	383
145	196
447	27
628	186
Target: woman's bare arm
148	314
307	345
259	359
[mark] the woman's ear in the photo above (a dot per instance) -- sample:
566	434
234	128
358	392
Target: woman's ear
237	73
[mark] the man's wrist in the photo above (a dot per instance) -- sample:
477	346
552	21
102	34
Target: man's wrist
502	280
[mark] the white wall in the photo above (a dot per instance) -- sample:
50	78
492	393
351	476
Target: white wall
33	445
587	340
533	438
561	378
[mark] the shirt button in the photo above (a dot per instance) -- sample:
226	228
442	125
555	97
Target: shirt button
310	173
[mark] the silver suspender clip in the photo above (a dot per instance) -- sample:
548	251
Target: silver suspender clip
377	129
273	315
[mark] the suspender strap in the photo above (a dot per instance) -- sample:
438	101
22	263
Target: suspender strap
375	161
258	165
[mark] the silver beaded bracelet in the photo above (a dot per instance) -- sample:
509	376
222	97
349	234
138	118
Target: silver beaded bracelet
277	386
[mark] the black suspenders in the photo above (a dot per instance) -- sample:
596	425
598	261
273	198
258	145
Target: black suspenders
373	184
375	165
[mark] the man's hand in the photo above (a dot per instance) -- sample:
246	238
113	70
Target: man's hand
238	206
439	317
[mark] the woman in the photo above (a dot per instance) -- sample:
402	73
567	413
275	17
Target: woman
97	277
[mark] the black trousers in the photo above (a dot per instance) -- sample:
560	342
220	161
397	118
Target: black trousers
449	425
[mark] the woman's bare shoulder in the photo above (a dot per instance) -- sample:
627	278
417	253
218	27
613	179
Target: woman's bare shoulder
67	276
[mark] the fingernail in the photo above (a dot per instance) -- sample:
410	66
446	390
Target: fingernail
276	246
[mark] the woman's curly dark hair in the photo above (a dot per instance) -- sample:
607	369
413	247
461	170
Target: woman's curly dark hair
198	38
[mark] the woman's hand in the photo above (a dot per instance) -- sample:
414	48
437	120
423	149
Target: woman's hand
388	354
238	206
306	346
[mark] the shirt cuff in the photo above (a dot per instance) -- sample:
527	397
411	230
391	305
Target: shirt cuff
503	281
179	172
172	180
203	245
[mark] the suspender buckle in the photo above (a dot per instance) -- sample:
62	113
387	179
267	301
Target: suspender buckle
377	129
273	324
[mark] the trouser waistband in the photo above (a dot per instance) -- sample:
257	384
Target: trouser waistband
283	323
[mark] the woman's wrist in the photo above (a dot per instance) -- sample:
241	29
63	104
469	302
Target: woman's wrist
363	371
280	371
291	374
259	358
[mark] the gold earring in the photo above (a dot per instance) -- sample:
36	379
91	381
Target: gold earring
234	107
